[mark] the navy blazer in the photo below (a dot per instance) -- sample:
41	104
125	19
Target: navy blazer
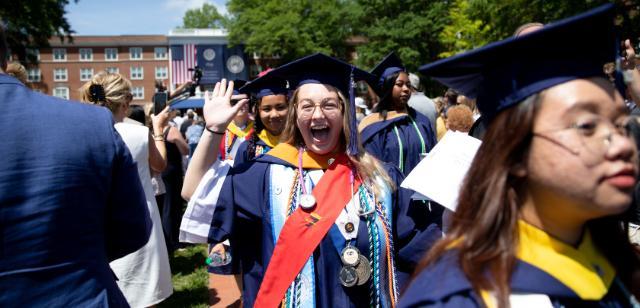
70	202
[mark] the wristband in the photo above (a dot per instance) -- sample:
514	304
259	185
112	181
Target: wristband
213	131
158	138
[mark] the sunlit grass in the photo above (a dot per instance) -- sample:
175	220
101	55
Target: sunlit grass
190	278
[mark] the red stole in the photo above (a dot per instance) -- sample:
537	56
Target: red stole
303	231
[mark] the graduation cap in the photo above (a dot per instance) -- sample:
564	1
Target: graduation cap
390	65
322	69
237	86
504	73
265	85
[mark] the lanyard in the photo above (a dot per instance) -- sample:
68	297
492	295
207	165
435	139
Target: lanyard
400	145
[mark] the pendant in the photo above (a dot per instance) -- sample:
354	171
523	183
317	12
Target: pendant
350	256
363	270
307	201
348	276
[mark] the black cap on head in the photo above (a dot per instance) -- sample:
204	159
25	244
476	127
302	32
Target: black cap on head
390	65
237	86
265	85
504	73
322	69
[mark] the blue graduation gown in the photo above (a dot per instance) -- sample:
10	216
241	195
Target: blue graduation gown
443	284
379	138
242	215
242	156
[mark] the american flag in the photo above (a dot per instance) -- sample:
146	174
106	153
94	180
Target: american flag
183	57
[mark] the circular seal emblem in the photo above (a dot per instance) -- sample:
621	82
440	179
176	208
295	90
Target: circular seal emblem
209	54
235	64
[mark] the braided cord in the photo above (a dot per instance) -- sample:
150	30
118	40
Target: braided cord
393	288
291	207
374	252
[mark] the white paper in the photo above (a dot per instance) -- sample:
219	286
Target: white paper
439	176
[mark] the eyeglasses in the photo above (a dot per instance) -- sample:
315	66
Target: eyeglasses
592	137
306	108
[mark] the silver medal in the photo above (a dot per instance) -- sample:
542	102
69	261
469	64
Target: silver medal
307	201
363	270
350	256
348	276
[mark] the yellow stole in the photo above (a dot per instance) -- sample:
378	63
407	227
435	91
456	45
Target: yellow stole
268	138
241	133
310	160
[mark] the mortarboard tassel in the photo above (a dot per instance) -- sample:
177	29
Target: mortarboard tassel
352	148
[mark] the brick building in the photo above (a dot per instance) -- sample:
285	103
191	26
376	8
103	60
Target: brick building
64	67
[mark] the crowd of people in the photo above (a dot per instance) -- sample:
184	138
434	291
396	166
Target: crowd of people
294	181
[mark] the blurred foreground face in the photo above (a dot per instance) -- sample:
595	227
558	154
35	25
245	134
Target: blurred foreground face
581	155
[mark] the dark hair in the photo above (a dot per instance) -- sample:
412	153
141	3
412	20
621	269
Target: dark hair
136	112
451	97
483	227
386	98
258	126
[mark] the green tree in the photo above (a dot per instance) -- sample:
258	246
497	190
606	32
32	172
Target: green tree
409	28
292	28
30	24
462	33
206	17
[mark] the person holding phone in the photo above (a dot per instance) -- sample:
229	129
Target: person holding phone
145	275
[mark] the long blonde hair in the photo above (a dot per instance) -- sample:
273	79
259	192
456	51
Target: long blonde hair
117	90
368	167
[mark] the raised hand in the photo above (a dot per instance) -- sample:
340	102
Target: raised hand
218	111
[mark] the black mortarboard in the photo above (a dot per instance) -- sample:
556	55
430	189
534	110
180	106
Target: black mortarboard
267	84
320	68
390	65
504	73
237	86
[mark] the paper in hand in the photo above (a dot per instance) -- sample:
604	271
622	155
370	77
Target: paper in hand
439	176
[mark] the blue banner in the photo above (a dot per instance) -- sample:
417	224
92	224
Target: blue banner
235	63
211	61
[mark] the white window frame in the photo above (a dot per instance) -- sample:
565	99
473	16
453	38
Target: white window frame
131	73
106	53
62	51
85	78
85	52
131	53
163	52
66	74
137	90
34	75
165	70
66	89
112	69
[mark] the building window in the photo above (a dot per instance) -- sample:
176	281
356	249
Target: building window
112	70
59	54
111	53
86	54
136	73
137	92
61	92
33	75
34	53
86	74
160	53
135	53
59	74
162	72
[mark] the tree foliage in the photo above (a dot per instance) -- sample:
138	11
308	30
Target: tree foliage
205	17
291	28
30	24
463	33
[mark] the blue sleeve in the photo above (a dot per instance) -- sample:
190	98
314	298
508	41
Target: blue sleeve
242	154
417	226
128	224
374	142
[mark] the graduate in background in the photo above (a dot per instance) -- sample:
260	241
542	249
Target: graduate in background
316	221
539	219
271	109
394	132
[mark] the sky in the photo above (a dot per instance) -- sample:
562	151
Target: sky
117	17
